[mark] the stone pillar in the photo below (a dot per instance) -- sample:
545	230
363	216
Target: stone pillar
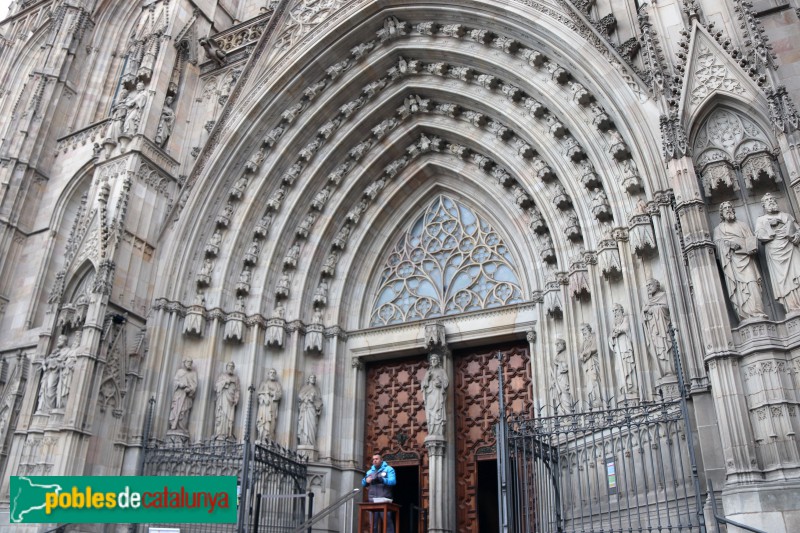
435	387
712	319
439	495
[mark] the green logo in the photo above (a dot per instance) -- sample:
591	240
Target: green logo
115	500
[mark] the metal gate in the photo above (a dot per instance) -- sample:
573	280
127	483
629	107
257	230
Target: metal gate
275	498
627	469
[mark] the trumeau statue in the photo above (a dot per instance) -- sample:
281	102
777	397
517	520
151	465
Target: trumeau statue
434	387
227	390
781	237
622	348
657	324
591	366
737	248
310	400
184	387
562	395
269	396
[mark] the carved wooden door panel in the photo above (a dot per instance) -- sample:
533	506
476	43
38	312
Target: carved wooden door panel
477	411
395	416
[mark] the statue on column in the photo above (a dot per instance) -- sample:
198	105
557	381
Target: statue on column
737	248
227	389
269	396
591	366
781	237
184	387
559	377
434	387
622	348
657	324
310	399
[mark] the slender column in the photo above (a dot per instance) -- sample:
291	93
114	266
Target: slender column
434	387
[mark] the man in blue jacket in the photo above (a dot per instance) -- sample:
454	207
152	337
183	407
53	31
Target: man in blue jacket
380	479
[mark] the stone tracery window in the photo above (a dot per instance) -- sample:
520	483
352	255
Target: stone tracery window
727	139
450	261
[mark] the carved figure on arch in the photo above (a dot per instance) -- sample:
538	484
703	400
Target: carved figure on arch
184	387
227	389
737	248
781	237
269	397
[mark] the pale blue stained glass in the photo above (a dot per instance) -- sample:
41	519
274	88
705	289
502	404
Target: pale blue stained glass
451	261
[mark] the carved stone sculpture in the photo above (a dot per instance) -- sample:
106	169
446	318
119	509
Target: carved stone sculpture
305	225
165	123
282	287
118	114
227	390
275	331
184	387
434	387
314	333
310	400
234	325
49	397
657	322
290	260
562	394
212	247
329	265
340	241
321	294
737	248
622	348
135	104
591	366
195	317
781	237
269	396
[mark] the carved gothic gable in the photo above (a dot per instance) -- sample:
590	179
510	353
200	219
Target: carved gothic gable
710	72
450	261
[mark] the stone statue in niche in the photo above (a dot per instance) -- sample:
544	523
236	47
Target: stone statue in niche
434	387
67	369
118	114
310	400
184	387
49	397
737	248
781	237
657	324
269	396
275	331
622	348
559	378
165	123
227	389
135	104
591	366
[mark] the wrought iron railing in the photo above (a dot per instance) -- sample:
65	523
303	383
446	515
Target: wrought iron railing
308	524
721	520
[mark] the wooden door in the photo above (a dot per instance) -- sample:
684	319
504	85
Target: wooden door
477	408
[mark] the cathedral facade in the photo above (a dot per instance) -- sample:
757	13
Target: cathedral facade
317	222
